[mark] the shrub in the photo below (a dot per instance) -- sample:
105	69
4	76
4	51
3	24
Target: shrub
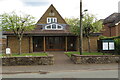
117	46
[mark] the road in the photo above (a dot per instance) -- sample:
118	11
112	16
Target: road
67	74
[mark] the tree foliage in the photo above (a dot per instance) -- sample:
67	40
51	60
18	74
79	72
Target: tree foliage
74	25
17	24
90	25
117	45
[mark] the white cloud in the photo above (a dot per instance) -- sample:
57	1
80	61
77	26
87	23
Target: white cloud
101	8
67	8
8	5
17	5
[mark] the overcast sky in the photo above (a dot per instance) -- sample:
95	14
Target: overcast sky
67	8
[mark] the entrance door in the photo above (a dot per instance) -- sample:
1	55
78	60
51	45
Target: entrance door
55	43
37	44
71	43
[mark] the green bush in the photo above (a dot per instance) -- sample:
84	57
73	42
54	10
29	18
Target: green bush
103	37
117	46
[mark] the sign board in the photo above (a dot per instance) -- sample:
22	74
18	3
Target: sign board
8	51
111	46
105	45
108	46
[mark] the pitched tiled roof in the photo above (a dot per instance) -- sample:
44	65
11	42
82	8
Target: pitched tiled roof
112	19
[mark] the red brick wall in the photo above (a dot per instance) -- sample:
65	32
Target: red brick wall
119	29
106	31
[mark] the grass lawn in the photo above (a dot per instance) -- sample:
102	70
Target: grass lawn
86	53
28	54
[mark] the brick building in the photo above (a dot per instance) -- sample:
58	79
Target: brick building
51	33
111	25
111	28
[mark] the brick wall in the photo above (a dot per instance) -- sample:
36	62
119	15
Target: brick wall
13	44
3	45
43	19
115	31
119	29
93	44
27	44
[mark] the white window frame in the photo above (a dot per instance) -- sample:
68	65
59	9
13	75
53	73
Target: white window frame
50	18
54	28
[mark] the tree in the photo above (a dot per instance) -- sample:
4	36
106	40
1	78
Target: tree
17	24
90	25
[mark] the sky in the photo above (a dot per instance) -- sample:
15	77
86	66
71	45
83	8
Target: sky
67	8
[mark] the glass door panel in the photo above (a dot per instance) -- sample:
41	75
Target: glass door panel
55	43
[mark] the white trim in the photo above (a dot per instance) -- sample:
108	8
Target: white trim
117	23
49	20
53	28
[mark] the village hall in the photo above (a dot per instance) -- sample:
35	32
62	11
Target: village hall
51	33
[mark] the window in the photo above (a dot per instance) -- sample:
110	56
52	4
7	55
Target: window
59	26
51	20
48	27
48	20
54	27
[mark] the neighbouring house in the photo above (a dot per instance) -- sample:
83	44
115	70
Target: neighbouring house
111	29
51	33
111	25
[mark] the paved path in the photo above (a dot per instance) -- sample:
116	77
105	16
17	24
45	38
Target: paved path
61	59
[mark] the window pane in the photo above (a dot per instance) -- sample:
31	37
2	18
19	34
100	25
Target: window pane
59	27
53	26
48	20
48	27
52	20
55	19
